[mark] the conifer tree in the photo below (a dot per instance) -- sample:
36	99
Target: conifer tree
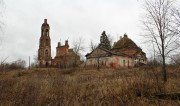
104	41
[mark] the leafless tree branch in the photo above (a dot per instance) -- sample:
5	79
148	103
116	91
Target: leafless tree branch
160	28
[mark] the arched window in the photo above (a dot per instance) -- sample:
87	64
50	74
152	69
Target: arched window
47	42
46	53
47	32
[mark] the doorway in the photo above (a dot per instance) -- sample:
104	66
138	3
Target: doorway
47	64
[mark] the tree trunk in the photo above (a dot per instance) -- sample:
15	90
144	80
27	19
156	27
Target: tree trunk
98	64
164	70
164	65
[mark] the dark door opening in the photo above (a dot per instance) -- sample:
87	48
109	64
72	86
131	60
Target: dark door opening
47	64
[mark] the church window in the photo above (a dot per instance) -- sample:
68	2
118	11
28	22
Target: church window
46	31
46	53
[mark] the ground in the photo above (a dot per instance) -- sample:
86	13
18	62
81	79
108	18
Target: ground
89	87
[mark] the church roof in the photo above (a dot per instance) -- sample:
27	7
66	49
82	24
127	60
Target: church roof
125	43
105	53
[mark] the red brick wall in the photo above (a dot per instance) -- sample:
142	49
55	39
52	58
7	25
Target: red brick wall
61	51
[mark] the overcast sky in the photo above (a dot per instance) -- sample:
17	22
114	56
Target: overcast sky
68	19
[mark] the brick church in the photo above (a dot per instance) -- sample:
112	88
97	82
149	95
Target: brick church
65	57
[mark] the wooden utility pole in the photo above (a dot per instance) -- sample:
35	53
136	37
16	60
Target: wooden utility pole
29	63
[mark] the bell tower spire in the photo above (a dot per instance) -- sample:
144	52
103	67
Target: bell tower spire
44	52
45	28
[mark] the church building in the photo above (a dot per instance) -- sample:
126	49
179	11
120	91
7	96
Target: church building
124	53
64	58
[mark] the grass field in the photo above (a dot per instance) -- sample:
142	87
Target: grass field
89	87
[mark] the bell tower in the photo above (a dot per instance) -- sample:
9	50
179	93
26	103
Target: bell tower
44	51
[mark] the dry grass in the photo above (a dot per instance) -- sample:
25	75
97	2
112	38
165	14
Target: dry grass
88	87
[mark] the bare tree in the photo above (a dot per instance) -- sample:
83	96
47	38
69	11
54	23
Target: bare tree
111	39
159	29
176	16
92	45
2	64
1	16
1	24
1	13
175	59
18	64
78	47
35	62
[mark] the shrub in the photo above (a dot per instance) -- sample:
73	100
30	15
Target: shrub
18	64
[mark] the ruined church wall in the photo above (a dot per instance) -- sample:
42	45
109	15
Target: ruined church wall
120	61
103	61
61	51
113	61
